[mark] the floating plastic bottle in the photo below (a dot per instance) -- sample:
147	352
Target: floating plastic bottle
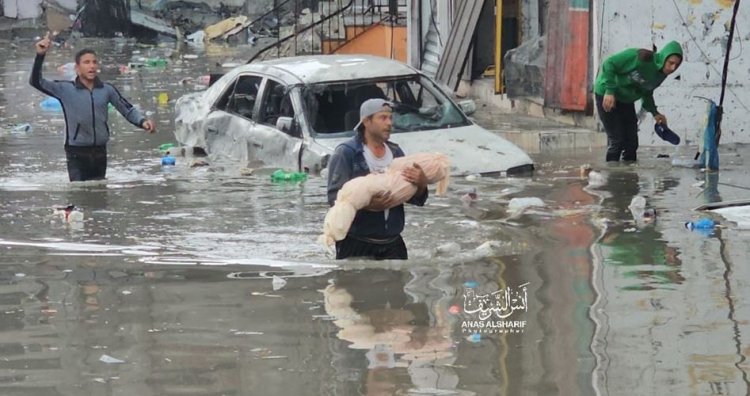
168	160
166	147
156	62
22	128
51	104
283	176
702	225
471	284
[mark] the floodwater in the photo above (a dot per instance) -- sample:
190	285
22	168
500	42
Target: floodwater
203	281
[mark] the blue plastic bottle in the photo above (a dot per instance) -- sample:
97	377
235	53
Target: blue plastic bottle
168	160
51	104
702	224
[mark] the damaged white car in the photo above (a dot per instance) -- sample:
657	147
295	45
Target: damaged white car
291	113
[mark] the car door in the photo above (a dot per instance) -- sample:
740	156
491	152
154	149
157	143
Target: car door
231	126
281	142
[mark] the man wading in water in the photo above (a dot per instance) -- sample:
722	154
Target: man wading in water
85	103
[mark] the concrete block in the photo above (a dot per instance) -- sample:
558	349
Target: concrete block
556	140
528	141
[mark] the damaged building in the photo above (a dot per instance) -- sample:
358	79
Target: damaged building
542	56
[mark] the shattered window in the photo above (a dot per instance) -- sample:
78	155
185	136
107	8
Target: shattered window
240	99
276	103
419	104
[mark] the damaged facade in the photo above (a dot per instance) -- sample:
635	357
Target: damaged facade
549	52
112	17
543	51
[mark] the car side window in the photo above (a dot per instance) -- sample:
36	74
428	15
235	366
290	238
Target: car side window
276	103
240	99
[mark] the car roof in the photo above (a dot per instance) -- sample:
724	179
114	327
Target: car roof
327	68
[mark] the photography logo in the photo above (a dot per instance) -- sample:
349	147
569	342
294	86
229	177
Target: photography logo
495	313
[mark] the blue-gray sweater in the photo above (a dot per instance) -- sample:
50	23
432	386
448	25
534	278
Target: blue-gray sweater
348	162
85	110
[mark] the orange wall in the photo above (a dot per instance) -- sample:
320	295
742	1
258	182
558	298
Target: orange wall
377	41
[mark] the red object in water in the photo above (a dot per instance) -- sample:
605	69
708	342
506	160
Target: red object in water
454	309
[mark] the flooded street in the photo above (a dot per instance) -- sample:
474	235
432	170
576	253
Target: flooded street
206	281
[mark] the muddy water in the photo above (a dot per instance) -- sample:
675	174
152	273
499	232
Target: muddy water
204	281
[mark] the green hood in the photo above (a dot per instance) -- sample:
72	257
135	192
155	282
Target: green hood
672	48
629	78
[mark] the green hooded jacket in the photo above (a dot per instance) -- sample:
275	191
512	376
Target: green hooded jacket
630	79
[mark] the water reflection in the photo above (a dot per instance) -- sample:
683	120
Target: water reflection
172	273
401	339
644	259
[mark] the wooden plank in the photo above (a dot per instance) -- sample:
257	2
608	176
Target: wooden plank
576	65
724	204
458	44
556	23
566	82
499	46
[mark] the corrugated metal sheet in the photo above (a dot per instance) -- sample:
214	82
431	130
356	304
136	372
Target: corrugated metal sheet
431	57
566	83
458	44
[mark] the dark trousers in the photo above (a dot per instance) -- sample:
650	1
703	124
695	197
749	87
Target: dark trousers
351	247
86	163
621	124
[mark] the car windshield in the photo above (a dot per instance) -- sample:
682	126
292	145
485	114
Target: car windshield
333	108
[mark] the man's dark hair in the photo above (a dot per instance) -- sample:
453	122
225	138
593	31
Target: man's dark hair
83	52
361	129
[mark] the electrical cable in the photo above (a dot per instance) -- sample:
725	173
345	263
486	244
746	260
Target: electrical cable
705	55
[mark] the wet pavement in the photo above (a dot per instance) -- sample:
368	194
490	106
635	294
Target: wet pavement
203	281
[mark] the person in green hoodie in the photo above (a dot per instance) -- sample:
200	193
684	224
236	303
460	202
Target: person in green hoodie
626	77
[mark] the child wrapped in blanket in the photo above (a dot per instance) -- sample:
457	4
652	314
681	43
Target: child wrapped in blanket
357	193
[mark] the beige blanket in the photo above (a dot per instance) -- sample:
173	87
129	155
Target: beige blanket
357	193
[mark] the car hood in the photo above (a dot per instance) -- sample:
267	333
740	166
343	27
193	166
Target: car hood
471	149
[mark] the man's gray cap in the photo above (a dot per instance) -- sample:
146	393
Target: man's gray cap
372	106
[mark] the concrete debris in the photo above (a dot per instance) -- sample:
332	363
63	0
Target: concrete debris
158	25
223	28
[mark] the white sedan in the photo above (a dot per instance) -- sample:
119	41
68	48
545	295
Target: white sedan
293	112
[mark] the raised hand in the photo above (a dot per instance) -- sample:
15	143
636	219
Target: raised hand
43	45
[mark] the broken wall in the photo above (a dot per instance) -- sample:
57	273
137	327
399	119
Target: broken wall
702	28
251	6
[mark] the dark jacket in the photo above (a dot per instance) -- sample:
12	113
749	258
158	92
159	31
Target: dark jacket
348	162
85	111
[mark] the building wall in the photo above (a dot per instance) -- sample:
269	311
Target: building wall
529	19
702	28
22	9
381	41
